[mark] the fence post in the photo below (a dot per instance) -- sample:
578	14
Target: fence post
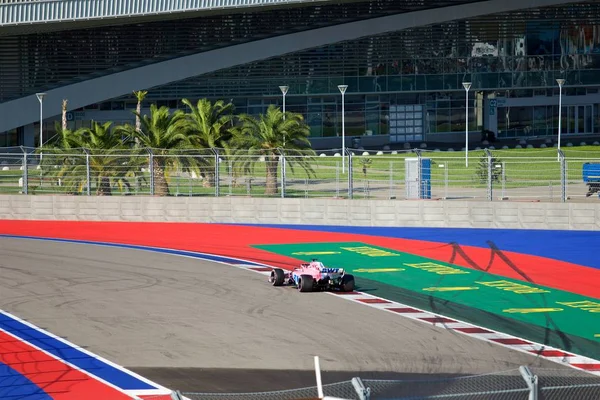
176	395
217	173
490	179
283	173
419	172
563	176
337	179
151	169
350	179
88	184
392	180
25	174
531	381
362	392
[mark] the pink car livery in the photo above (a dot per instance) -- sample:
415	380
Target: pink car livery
313	276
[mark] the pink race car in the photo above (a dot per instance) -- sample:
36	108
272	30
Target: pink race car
313	276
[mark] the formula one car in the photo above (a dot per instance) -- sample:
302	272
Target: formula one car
313	276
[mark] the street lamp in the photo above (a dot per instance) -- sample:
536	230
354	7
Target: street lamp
560	82
284	90
467	86
342	89
40	97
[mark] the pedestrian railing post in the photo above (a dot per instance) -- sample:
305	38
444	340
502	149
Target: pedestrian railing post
283	172
88	179
25	174
531	380
151	170
217	173
489	175
563	176
350	178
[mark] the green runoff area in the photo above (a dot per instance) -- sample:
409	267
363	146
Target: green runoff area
545	315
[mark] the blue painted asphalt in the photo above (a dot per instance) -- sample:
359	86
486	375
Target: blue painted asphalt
14	386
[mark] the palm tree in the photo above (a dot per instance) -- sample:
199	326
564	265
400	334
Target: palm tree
165	135
266	135
140	95
211	127
108	163
64	114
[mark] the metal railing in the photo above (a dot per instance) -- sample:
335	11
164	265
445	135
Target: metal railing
515	384
44	11
498	175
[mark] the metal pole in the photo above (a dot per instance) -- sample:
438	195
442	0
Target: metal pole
151	169
88	184
337	179
40	97
391	180
350	188
217	174
318	376
342	89
563	176
467	86
560	82
446	180
284	90
489	175
25	174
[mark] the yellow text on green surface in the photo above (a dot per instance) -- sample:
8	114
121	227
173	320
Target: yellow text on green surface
586	305
437	268
513	287
370	251
530	310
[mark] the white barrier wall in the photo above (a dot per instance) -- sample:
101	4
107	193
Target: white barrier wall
473	214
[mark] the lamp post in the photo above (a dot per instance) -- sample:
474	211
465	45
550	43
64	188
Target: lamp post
40	97
560	82
342	89
467	86
284	90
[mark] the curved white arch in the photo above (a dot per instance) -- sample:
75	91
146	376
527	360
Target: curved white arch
24	111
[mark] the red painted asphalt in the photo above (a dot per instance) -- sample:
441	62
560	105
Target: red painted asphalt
54	377
235	241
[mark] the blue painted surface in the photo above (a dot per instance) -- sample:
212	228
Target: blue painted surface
14	386
577	247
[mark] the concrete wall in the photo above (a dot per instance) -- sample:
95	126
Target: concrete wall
474	214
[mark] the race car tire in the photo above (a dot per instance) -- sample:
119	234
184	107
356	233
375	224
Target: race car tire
347	284
306	283
277	277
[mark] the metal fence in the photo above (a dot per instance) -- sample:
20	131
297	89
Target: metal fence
515	384
544	175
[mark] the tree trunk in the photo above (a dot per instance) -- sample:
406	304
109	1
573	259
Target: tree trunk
208	178
161	187
103	188
271	164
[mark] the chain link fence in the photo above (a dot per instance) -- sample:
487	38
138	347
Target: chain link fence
513	384
411	174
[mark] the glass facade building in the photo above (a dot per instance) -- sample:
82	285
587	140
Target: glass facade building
403	86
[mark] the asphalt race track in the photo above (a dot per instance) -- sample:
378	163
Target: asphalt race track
204	326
